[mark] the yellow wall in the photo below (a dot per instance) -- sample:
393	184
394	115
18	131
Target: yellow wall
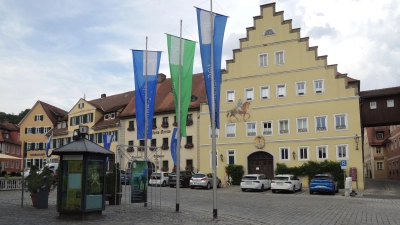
300	65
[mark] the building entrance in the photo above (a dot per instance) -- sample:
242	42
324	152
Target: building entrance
261	163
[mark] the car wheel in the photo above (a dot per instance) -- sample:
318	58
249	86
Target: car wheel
333	191
294	189
171	186
311	192
163	184
262	188
273	191
243	189
208	186
337	190
219	185
191	187
301	187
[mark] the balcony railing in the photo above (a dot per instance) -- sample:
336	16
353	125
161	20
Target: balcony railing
11	183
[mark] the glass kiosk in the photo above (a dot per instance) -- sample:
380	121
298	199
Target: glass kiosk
82	175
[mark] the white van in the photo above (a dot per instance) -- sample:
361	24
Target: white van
53	166
159	178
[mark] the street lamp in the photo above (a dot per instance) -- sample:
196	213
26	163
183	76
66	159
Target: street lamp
294	155
222	157
356	139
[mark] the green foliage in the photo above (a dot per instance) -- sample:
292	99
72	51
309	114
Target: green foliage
236	172
312	168
3	173
14	119
34	181
111	178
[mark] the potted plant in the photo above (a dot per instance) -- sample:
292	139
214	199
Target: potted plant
164	125
164	147
154	127
140	149
113	186
189	145
152	148
164	169
36	180
130	128
189	122
175	124
130	149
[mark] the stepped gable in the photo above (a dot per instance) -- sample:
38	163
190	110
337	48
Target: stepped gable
371	132
165	99
380	92
113	102
53	112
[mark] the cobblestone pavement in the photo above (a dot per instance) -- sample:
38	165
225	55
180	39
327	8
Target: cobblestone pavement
234	207
381	188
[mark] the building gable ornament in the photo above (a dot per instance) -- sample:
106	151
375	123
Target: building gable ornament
259	142
269	32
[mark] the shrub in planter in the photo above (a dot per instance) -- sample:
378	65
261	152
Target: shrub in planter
130	149
154	127
164	125
189	145
189	122
34	181
175	124
164	147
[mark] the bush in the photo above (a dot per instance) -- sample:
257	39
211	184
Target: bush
3	173
236	172
312	168
110	180
34	181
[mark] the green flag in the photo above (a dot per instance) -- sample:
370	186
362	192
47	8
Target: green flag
187	58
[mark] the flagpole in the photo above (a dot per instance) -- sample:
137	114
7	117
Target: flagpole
146	120
213	158
178	145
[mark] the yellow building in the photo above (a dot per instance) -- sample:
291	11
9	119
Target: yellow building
40	119
164	121
100	115
375	153
282	103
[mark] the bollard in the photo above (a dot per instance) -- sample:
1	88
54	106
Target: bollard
43	195
348	187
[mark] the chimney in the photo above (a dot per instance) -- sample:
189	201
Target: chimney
103	95
161	77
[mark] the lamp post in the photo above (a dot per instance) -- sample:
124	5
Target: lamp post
222	157
356	138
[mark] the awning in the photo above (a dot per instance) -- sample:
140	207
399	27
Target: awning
8	157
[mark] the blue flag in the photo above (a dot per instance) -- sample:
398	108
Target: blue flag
206	36
107	139
139	65
174	143
48	143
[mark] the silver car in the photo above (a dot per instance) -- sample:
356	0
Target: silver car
203	180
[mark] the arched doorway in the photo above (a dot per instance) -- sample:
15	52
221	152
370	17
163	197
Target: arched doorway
261	163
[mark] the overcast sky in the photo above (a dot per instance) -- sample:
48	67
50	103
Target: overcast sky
59	51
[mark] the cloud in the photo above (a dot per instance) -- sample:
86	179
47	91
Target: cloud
321	31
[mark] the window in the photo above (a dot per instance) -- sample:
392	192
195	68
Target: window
141	145
340	122
264	92
269	32
29	130
379	135
16	165
6	164
230	96
189	163
38	117
378	150
89	116
372	105
251	130
279	58
73	121
231	130
283	126
12	164
153	142
165	164
189	140
379	165
320	122
63	124
131	125
341	151
80	105
322	152
249	93
58	125
210	133
165	119
38	129
318	86
130	144
28	146
231	157
57	143
190	117
390	103
154	122
18	151
112	115
281	90
302	125
263	60
301	88
106	116
303	153
7	149
165	141
267	128
284	153
216	159
37	146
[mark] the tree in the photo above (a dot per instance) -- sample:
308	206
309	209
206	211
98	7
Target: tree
14	119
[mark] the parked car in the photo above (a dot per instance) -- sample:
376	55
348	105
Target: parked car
159	178
204	180
26	173
125	178
184	178
255	182
324	183
286	182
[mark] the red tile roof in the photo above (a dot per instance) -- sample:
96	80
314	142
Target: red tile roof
165	100
371	133
113	102
53	112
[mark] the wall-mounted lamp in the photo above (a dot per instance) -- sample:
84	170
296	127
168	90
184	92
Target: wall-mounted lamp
222	157
294	155
356	139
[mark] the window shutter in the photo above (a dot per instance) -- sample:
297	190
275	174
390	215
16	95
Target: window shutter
84	118
70	121
69	140
91	117
41	146
33	130
91	136
33	145
26	130
54	143
41	130
41	117
61	142
116	135
35	118
99	138
25	147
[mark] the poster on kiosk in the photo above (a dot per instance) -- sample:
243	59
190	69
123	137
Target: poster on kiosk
139	181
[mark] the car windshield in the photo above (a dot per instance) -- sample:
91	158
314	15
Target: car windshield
281	178
322	177
249	178
199	175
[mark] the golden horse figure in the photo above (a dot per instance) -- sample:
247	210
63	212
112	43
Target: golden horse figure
233	112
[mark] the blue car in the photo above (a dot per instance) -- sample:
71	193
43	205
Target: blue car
324	183
125	178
